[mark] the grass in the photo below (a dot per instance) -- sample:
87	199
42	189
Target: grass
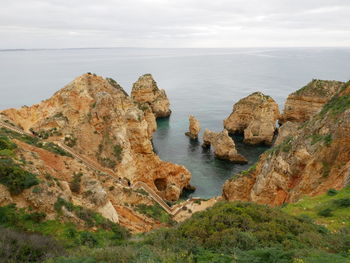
156	212
312	206
68	233
15	178
49	146
336	106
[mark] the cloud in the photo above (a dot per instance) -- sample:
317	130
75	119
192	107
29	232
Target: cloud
166	23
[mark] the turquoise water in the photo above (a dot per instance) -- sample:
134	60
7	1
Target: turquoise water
202	82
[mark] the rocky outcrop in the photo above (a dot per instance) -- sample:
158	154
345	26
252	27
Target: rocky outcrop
223	146
146	93
95	117
313	159
288	129
254	116
194	128
309	100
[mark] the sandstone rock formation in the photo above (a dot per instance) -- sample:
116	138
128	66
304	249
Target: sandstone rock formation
96	118
309	100
194	128
146	93
288	129
255	116
314	159
223	146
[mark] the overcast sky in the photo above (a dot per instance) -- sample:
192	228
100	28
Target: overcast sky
173	23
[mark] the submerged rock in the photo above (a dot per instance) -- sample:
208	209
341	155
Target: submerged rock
223	146
309	100
255	116
146	92
194	128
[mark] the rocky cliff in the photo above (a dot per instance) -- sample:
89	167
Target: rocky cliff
308	160
254	116
309	100
146	93
95	117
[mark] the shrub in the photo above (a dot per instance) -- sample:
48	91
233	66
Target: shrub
156	212
15	178
343	202
75	183
117	151
332	192
18	246
327	212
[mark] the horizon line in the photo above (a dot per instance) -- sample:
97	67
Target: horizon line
241	47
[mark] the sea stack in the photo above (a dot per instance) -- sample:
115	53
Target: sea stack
194	128
223	145
254	116
146	93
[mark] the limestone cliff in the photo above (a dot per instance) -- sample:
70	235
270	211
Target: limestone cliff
194	128
311	159
224	146
146	93
95	117
309	100
255	116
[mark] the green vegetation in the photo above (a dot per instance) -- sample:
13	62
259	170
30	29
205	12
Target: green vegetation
317	87
49	146
116	85
70	141
45	134
228	232
141	191
68	234
14	177
336	106
334	200
117	151
250	170
316	138
326	169
75	183
284	146
92	219
156	212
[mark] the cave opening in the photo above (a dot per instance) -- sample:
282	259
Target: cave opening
160	183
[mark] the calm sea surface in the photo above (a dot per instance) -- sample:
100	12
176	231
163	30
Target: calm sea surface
202	82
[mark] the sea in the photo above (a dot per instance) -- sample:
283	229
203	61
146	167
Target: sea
202	82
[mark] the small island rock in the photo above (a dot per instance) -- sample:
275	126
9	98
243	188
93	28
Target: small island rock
223	145
194	128
255	116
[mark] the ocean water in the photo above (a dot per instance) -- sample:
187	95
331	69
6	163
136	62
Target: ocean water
202	82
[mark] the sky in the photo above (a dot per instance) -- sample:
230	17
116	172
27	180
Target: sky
173	23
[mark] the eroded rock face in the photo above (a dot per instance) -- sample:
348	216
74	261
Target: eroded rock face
288	129
146	92
311	159
98	120
255	116
223	146
194	128
309	100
